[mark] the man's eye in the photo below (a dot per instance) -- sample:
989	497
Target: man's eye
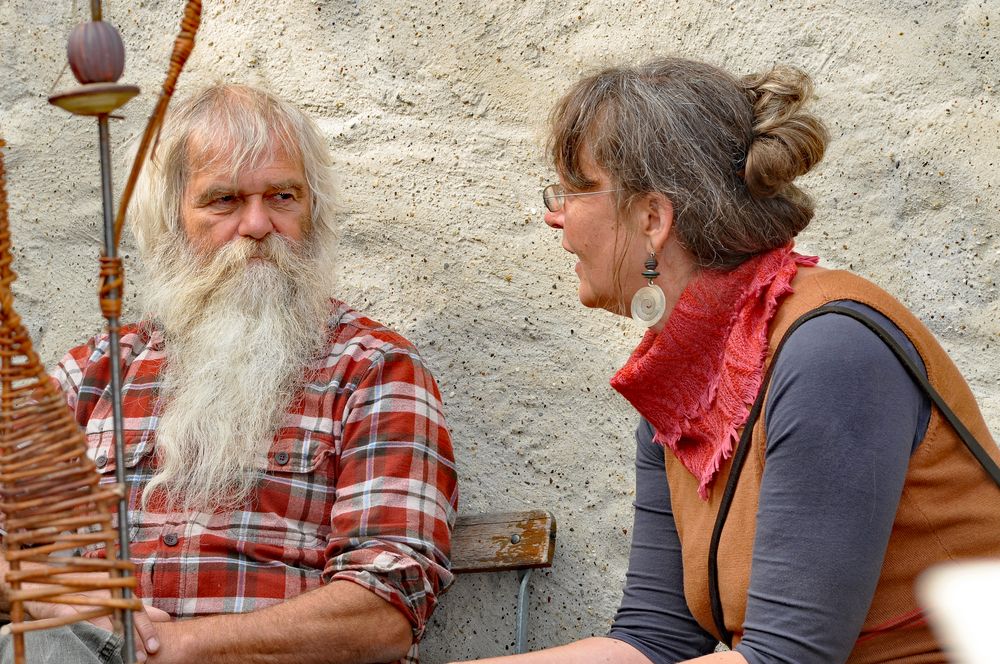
285	196
227	199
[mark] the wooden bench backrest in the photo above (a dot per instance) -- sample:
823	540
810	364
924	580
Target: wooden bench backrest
503	541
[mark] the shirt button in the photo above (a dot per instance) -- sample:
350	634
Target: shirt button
281	458
170	539
101	460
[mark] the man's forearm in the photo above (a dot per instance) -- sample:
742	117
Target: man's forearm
340	623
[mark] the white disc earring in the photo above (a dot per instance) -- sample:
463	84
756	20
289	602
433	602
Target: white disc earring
649	303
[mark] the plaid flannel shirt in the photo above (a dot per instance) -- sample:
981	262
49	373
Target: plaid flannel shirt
360	481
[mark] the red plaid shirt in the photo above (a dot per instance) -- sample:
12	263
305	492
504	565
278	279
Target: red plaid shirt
360	481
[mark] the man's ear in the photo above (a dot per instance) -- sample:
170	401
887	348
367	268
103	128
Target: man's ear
656	219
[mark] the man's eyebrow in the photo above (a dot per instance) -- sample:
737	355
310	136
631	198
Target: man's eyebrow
297	185
210	194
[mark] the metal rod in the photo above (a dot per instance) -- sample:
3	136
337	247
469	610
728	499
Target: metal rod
521	633
116	380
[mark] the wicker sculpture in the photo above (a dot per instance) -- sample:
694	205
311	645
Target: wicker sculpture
49	486
50	491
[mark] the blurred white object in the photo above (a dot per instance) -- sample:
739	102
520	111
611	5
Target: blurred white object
963	608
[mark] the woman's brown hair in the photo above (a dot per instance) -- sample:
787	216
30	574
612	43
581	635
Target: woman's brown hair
724	150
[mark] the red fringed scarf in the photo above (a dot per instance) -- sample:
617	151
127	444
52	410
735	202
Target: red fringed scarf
696	379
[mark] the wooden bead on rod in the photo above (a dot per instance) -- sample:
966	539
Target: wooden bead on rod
96	52
97	57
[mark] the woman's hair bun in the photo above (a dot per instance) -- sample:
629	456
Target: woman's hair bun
787	141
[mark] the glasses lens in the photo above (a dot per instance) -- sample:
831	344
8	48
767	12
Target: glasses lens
552	195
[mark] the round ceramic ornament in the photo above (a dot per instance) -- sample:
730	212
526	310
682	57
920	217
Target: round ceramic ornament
96	53
648	305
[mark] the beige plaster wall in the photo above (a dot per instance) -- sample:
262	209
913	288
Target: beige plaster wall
435	113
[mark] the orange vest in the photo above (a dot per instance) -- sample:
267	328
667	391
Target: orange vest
949	508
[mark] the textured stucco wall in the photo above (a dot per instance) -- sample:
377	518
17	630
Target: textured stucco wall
435	113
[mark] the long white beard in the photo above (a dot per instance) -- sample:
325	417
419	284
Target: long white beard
240	333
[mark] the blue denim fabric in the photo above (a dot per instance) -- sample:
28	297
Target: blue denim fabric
80	643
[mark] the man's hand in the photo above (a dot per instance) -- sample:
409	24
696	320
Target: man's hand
147	642
173	649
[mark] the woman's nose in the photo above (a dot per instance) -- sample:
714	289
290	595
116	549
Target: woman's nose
554	219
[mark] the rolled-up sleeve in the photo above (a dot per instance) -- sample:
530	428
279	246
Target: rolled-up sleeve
68	374
396	488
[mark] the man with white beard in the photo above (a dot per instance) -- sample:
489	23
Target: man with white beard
291	480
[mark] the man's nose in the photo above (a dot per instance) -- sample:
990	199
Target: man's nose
255	221
554	219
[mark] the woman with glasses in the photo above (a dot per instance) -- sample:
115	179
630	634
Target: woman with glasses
784	506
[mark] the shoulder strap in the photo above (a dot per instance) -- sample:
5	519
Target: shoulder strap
742	449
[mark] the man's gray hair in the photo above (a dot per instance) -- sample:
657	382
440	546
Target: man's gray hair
236	127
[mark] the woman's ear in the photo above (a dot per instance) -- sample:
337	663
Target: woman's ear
656	219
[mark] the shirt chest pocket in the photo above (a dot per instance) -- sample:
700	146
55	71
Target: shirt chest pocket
138	450
300	453
101	450
296	495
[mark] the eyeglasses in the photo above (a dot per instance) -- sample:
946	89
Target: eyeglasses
555	196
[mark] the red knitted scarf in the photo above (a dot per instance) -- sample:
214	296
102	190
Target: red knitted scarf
695	380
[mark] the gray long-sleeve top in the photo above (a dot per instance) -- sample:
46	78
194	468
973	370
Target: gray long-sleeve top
842	420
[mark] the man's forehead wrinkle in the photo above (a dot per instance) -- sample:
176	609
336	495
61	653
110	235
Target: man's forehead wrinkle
231	154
